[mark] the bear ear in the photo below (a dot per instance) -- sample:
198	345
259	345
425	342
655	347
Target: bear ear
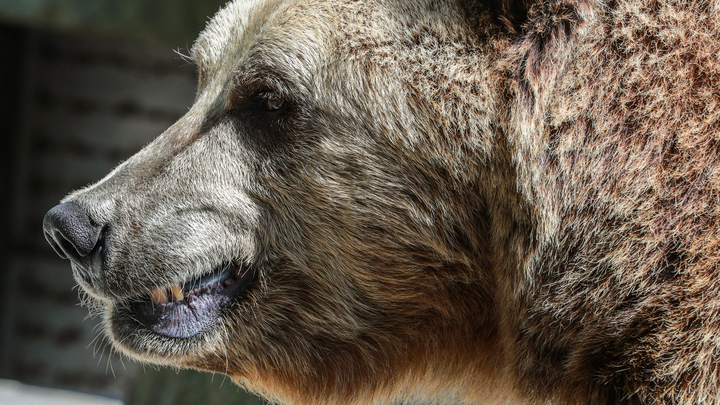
528	16
549	29
512	13
509	15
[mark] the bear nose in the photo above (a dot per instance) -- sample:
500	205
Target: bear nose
71	233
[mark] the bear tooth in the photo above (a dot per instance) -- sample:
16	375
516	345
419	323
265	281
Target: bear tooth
177	292
159	295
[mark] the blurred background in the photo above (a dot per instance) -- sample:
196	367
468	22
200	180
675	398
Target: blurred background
83	85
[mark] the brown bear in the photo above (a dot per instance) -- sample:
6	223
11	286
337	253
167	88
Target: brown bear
442	201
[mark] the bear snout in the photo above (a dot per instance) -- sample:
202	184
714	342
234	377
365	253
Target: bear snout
75	236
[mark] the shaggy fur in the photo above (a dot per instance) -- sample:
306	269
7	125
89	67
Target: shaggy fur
458	202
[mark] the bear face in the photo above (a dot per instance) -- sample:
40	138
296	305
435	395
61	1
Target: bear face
311	217
460	202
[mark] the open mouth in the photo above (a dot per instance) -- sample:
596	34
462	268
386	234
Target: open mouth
183	310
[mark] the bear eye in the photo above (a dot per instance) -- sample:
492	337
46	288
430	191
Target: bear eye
271	102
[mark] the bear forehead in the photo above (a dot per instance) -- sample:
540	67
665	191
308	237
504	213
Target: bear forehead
284	35
297	35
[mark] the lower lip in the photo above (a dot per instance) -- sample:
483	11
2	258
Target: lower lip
202	307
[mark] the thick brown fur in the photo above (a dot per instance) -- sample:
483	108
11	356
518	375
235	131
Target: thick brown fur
464	202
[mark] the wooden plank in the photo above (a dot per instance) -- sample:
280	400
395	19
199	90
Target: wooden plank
103	133
93	87
173	22
63	165
51	335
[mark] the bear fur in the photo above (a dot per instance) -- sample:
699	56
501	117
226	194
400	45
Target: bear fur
444	201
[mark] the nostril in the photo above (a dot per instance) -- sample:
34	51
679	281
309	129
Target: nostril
67	246
71	232
52	240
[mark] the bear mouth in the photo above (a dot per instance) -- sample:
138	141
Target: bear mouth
185	309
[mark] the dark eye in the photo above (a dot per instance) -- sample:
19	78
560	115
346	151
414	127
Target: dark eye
271	102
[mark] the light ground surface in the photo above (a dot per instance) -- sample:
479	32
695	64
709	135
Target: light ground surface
15	393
